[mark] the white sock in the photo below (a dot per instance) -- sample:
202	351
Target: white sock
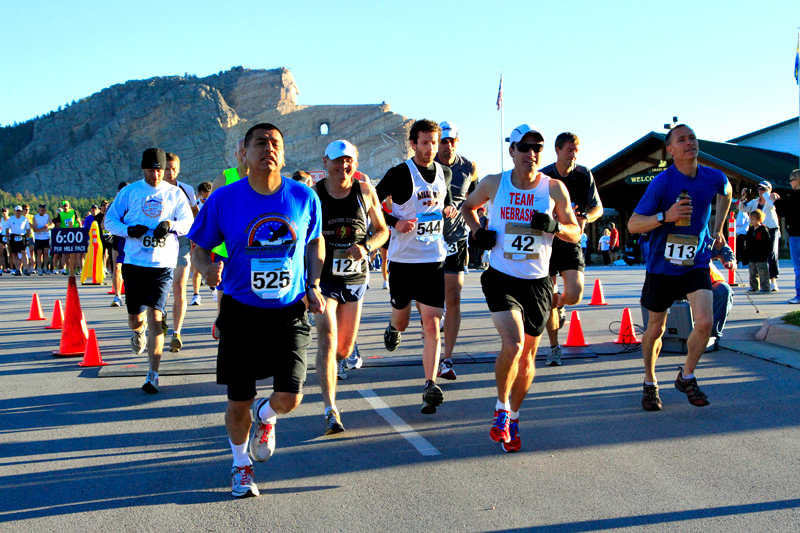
501	405
329	409
266	414
687	376
240	457
649	383
513	415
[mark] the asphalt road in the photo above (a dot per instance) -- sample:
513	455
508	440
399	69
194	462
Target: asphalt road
82	453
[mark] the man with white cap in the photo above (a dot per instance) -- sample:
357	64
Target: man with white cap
347	204
18	228
420	191
567	258
455	237
517	285
150	214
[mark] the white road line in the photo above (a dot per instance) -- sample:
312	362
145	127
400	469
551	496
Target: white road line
415	439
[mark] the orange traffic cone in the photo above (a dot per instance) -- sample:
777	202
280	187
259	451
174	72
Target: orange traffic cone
597	294
575	335
36	309
58	317
73	339
84	328
92	355
627	335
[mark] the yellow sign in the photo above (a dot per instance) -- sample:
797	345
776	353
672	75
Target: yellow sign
93	263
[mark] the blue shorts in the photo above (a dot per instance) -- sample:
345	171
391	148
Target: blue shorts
146	287
343	293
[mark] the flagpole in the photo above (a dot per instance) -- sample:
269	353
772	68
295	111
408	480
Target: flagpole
797	79
502	127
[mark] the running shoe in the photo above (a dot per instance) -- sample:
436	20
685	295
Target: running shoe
139	340
446	370
243	484
41	272
214	293
515	443
554	357
340	371
151	383
391	338
354	361
386	284
500	431
116	302
432	398
214	331
262	443
773	286
196	300
690	388
650	399
17	273
333	423
176	344
794	300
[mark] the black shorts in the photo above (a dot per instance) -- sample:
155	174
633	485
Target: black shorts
458	261
660	291
41	244
385	245
15	246
566	256
146	287
423	282
533	298
257	343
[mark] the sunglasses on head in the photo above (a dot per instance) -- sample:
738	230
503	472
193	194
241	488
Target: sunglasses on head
526	147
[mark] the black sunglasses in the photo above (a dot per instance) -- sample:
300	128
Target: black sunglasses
526	147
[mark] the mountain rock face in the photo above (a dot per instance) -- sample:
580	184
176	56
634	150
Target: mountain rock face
92	145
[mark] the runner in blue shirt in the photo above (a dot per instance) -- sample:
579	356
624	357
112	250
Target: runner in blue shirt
677	264
272	228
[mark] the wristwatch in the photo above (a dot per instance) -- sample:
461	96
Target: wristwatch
311	287
660	217
558	228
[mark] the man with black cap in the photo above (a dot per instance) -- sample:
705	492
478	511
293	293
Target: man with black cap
68	218
517	285
150	214
465	172
421	199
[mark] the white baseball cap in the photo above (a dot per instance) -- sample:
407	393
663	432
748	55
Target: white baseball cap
340	148
449	130
520	131
18	208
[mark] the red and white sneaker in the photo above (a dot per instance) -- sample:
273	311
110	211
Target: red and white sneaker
262	443
243	484
214	331
515	443
500	431
446	370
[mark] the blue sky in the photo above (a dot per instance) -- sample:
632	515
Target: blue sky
608	71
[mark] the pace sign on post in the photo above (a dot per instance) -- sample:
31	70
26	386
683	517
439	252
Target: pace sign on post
69	240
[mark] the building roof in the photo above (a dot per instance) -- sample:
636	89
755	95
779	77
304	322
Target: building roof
756	164
763	130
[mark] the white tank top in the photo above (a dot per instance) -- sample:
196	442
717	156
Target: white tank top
41	220
520	251
425	243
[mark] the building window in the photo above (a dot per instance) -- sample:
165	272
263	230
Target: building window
323	128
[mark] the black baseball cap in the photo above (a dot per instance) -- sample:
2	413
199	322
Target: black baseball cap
155	158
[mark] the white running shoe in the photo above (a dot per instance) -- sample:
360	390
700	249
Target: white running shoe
262	443
386	284
243	484
340	371
151	383
554	357
196	300
354	361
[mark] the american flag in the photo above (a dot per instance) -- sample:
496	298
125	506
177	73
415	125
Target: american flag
500	94
797	61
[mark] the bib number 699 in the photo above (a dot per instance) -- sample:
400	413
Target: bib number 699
270	280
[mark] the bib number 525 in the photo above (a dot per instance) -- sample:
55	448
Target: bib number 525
270	280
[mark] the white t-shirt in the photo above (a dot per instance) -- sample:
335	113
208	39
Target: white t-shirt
19	226
42	221
190	196
3	226
605	242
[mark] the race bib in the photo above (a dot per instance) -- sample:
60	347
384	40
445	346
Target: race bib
681	249
270	278
429	227
521	242
452	248
18	238
344	265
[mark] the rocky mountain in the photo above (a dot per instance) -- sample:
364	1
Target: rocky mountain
89	147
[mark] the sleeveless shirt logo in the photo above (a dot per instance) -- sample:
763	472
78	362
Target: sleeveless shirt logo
152	207
343	232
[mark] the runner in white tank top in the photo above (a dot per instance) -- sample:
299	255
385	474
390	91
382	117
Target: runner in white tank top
517	285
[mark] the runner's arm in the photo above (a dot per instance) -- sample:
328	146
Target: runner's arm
484	192
201	261
723	206
570	230
315	257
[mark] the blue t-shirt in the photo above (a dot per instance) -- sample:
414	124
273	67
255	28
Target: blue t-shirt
661	194
266	237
